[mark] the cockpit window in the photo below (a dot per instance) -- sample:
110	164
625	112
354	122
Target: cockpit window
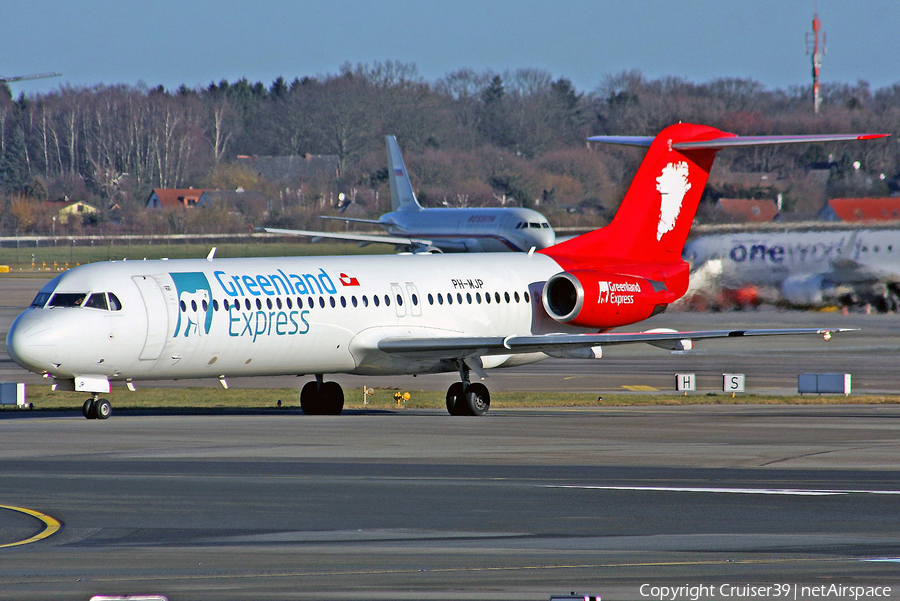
545	225
534	225
114	304
67	299
97	300
40	300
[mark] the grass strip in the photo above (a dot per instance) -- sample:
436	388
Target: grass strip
383	398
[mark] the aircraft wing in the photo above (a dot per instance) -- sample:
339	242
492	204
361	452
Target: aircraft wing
352	220
461	347
367	238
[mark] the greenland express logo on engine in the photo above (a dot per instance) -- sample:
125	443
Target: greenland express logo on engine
617	293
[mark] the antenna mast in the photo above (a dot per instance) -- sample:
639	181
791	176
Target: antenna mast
817	51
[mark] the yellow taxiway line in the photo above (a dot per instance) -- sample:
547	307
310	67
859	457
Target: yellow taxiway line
51	525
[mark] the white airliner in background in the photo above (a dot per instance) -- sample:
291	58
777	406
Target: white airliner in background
412	227
844	266
386	315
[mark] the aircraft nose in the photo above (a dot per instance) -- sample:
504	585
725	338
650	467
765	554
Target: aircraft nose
546	238
31	342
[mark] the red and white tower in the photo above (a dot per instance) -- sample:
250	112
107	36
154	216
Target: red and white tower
817	51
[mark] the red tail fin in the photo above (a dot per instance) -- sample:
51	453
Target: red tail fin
655	216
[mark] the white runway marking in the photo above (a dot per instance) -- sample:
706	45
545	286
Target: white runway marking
737	491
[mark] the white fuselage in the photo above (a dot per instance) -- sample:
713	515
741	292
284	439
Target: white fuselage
474	230
293	315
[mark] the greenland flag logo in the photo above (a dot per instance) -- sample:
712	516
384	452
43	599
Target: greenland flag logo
672	185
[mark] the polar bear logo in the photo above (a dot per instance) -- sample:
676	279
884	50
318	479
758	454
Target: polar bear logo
672	185
194	306
603	297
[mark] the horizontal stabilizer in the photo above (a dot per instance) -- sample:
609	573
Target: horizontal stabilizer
352	220
735	141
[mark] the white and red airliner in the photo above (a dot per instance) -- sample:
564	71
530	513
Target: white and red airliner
125	321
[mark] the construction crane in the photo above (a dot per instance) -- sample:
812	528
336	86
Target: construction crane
24	77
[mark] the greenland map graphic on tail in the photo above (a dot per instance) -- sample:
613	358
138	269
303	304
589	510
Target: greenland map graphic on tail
194	300
673	184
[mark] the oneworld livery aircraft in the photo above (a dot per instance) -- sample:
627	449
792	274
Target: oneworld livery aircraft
385	315
412	227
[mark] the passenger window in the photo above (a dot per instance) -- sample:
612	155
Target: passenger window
40	300
259	304
430	299
527	299
497	297
290	305
387	300
353	301
487	297
278	302
449	299
469	297
440	298
331	300
67	299
321	302
343	302
365	301
516	294
215	305
399	301
97	301
247	303
458	298
415	300
506	296
478	297
114	303
375	300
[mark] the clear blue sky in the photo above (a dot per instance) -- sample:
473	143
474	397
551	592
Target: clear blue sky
194	42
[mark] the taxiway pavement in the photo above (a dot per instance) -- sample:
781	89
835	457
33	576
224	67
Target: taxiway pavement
411	504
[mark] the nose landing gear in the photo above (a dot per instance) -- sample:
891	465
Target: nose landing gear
96	408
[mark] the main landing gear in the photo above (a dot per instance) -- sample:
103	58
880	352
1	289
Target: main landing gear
322	398
96	408
465	398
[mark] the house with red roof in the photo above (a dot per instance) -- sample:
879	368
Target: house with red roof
863	209
174	198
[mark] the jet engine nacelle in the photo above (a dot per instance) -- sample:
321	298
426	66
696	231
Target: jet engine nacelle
601	300
805	289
